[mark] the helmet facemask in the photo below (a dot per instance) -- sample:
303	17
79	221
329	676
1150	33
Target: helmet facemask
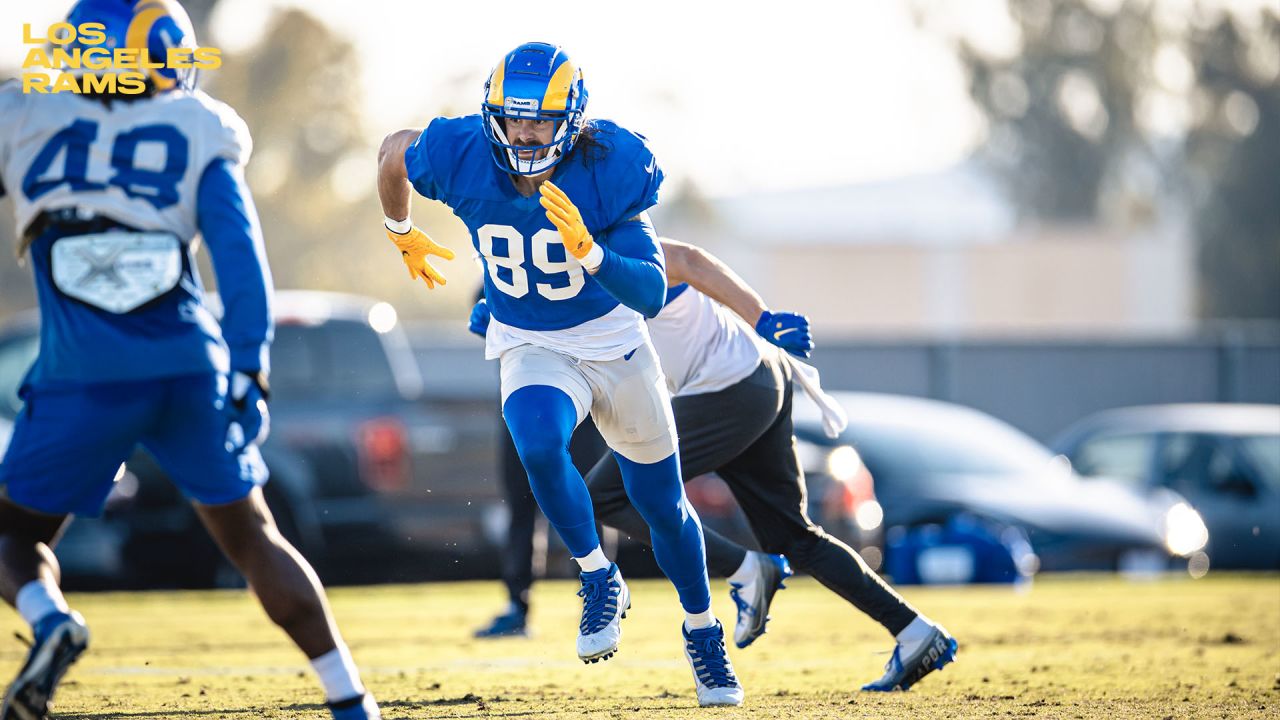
566	133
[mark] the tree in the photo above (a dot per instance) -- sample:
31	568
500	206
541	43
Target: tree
313	169
1234	170
1133	113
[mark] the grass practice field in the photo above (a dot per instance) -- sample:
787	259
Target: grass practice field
1070	647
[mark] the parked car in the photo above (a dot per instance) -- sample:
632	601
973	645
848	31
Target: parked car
933	461
1224	459
368	479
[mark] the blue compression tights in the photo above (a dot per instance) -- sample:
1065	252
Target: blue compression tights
541	419
658	493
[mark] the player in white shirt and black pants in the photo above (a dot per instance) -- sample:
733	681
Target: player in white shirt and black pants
732	396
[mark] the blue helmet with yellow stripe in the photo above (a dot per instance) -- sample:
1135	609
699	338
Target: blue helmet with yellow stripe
536	81
152	26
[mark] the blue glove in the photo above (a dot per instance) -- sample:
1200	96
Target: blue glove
479	323
248	421
789	331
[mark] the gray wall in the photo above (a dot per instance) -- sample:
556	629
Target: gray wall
1039	386
1042	387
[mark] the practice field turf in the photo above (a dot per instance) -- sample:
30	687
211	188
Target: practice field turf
1070	647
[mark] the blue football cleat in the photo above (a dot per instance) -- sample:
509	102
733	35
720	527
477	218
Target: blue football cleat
512	623
713	675
361	707
605	601
901	673
60	638
754	598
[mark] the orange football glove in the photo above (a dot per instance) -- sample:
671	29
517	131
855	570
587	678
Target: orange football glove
573	232
415	246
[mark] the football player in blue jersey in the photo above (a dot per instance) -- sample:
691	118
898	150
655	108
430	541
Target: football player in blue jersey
555	205
109	192
732	399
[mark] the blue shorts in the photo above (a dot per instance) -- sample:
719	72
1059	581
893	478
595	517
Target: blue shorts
69	441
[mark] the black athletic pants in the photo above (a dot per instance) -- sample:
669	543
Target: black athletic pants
517	560
744	434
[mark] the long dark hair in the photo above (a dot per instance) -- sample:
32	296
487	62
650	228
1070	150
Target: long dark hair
588	147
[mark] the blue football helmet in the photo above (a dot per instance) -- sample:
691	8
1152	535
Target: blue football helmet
153	26
536	81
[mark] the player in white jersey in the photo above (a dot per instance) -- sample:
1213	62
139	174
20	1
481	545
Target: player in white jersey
109	192
64	146
732	394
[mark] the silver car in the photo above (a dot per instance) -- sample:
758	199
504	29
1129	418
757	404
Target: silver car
1223	458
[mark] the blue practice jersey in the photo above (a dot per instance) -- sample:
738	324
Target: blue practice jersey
120	298
530	281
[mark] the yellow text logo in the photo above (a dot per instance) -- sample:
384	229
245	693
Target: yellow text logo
83	59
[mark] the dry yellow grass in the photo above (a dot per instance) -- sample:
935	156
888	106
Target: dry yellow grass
1071	647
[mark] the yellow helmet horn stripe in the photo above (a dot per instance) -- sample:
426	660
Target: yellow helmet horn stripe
145	17
557	95
495	84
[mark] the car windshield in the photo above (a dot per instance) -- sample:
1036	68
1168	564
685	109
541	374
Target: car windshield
337	359
1264	452
973	446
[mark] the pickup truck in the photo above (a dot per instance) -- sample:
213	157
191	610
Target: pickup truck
371	480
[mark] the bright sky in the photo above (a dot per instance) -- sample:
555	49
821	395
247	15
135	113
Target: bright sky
739	96
736	99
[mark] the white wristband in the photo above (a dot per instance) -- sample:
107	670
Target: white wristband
398	227
594	257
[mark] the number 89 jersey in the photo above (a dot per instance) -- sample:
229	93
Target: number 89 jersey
530	282
137	162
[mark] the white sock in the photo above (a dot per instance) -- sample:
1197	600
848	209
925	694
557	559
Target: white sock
917	632
595	560
338	674
747	571
697	621
39	598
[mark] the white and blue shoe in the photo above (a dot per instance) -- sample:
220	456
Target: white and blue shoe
60	638
361	707
754	597
713	675
906	668
605	601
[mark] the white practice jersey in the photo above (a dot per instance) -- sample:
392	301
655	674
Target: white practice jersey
137	162
704	347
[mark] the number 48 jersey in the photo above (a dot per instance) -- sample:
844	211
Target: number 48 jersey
138	162
125	306
531	285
